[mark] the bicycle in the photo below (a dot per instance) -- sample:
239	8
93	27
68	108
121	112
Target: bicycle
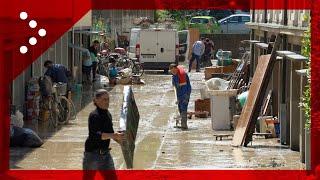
103	65
61	109
136	66
133	64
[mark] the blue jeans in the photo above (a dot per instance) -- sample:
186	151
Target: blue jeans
191	61
93	161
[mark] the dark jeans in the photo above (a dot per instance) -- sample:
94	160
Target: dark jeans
183	102
206	60
191	61
86	70
94	69
103	163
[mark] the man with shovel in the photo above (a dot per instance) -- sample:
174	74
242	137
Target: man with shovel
181	83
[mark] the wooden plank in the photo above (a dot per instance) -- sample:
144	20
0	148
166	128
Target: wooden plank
257	91
194	36
266	104
129	121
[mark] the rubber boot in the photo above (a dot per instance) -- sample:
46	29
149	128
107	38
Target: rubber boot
184	118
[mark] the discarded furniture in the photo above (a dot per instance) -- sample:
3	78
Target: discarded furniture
263	113
221	116
260	81
239	77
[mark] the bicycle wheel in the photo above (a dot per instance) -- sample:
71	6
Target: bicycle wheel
137	69
64	110
73	112
53	119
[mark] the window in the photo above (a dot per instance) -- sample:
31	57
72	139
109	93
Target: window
234	19
199	20
245	19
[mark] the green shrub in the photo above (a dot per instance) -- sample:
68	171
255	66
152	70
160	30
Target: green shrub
306	99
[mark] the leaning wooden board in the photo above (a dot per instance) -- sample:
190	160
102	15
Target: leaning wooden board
254	92
257	91
129	121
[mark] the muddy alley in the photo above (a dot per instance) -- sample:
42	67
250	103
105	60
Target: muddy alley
159	145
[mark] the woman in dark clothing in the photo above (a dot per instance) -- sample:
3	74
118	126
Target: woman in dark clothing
97	153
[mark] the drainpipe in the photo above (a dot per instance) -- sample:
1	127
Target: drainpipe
253	15
265	21
284	70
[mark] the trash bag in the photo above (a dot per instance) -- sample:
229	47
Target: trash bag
32	140
24	137
217	84
243	98
18	137
17	119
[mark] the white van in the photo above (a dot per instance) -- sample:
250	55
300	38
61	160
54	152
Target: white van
156	48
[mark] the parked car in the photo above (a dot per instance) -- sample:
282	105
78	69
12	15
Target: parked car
235	24
205	24
220	14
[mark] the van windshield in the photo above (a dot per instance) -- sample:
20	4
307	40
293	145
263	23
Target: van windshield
133	40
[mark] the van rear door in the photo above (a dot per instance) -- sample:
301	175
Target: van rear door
167	46
148	46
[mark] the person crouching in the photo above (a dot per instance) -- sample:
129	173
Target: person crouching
112	71
181	83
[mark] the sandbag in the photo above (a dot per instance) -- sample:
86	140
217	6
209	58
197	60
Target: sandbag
24	137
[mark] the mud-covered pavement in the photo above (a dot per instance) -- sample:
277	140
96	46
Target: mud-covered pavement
159	145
